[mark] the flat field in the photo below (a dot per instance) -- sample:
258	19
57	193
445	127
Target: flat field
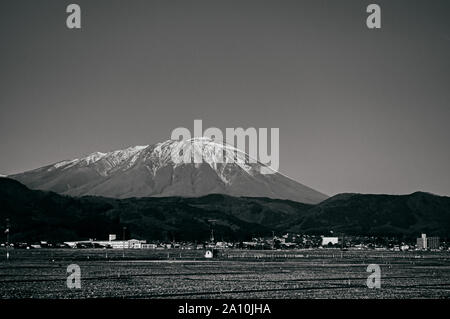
107	273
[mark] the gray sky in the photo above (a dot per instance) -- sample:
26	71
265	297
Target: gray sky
359	110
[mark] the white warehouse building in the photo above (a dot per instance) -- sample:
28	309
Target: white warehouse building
115	244
330	240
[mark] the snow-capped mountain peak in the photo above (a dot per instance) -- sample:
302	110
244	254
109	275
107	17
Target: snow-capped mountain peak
194	167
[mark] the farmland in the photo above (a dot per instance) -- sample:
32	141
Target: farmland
320	273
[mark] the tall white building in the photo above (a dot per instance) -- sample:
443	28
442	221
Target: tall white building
422	242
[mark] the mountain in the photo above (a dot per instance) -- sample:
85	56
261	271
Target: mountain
157	171
39	215
383	215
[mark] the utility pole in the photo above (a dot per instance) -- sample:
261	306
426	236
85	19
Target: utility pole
123	242
211	225
273	240
7	238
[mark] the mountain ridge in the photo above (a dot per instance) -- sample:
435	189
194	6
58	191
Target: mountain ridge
382	214
42	215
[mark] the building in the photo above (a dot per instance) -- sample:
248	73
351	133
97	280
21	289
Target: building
422	242
330	241
116	244
404	247
433	242
149	246
425	242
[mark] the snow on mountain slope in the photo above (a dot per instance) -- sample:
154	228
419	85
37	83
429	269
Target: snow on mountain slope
159	170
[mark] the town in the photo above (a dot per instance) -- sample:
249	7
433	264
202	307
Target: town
286	241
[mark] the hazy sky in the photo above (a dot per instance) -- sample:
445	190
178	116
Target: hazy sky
359	110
